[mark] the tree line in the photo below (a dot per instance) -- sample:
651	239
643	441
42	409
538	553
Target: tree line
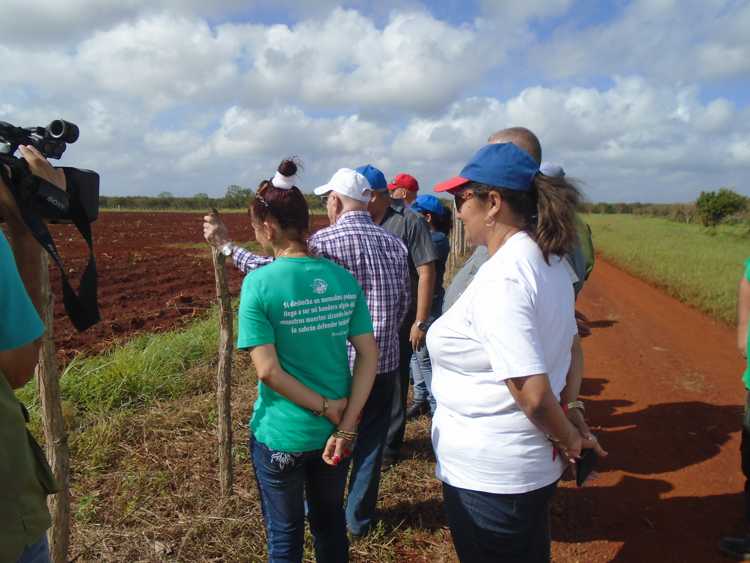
710	209
236	197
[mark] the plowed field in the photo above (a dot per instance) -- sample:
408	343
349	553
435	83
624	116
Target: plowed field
154	274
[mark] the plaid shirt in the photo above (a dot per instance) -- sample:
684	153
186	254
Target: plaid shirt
377	259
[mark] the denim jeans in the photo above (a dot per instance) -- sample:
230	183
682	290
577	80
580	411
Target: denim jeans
489	527
421	375
367	457
285	480
36	552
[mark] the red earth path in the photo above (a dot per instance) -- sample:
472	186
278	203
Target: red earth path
663	386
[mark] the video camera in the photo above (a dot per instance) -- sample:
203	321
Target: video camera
48	201
40	201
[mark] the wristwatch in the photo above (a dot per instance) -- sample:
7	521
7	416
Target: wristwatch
227	248
421	325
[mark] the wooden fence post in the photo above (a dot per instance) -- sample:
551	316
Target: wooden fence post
458	245
224	374
56	438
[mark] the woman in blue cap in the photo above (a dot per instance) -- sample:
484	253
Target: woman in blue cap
501	357
440	219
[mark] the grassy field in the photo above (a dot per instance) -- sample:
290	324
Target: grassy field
700	266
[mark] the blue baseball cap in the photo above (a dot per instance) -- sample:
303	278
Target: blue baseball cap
428	204
374	176
502	165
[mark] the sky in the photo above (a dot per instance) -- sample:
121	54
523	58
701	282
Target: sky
643	100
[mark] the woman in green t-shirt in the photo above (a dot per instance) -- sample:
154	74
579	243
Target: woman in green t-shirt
296	316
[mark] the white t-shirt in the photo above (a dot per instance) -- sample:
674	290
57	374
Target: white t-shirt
515	319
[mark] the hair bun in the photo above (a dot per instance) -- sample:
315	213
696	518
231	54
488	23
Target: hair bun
287	167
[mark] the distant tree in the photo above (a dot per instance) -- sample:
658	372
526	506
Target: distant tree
165	195
201	195
237	196
714	206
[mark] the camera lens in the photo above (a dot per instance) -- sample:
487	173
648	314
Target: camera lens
63	130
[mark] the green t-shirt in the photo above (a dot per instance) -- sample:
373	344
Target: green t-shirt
746	376
307	308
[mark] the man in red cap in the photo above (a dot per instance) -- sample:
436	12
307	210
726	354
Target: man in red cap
404	186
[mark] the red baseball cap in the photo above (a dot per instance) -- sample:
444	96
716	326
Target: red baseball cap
404	181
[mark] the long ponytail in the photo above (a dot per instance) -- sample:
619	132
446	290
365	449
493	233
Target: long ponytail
547	212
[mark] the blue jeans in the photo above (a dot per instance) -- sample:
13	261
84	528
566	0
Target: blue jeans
36	552
367	457
421	374
284	481
489	527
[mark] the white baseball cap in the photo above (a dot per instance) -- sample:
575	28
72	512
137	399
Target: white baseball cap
347	182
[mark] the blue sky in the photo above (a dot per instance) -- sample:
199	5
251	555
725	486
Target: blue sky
641	100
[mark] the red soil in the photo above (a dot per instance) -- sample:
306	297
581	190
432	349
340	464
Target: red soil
663	384
150	279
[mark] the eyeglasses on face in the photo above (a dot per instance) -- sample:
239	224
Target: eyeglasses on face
461	197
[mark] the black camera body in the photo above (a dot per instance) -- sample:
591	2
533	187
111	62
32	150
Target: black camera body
40	202
42	198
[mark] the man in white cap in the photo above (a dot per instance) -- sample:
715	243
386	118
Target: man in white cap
379	261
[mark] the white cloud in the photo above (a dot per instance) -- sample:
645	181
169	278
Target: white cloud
633	133
175	96
664	39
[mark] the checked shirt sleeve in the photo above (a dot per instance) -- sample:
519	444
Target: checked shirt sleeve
245	261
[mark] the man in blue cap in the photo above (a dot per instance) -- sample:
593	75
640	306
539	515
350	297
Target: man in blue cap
440	219
413	230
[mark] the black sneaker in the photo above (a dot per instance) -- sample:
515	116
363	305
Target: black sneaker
736	547
417	409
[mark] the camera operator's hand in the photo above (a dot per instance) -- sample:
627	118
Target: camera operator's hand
215	231
41	167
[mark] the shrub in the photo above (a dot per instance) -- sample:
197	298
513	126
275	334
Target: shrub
714	206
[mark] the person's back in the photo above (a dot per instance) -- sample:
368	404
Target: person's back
378	260
310	307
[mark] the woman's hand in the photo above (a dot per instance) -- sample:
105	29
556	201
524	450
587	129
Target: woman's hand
336	408
215	230
336	449
576	418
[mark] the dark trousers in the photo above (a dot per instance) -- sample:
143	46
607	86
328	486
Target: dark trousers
285	481
398	408
489	528
367	457
745	452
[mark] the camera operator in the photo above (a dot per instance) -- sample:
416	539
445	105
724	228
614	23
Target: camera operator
25	476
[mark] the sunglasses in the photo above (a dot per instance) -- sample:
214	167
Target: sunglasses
461	197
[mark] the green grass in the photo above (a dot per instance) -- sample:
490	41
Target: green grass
148	368
700	266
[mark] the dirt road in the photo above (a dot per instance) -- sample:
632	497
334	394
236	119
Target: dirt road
663	384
